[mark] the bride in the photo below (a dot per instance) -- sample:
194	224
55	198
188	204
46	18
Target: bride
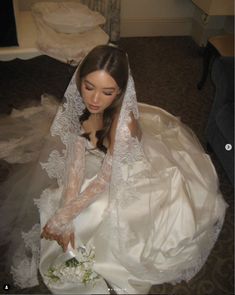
128	197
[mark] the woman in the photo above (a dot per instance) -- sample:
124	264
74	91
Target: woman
135	202
101	80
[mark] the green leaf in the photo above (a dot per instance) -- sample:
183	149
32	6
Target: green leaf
72	262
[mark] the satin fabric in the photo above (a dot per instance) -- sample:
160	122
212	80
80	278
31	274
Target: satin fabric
172	219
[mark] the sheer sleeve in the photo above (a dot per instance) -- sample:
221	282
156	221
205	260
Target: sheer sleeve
60	222
75	167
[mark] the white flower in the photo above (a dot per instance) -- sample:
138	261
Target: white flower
78	269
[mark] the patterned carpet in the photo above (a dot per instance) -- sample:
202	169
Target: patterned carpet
166	71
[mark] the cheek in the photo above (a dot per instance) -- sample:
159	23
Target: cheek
109	100
84	94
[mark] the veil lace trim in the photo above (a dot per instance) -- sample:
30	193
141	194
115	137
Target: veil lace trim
127	152
25	270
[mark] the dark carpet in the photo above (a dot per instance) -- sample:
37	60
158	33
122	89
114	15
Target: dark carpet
166	71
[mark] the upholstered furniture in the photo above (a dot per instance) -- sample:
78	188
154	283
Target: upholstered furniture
220	127
222	45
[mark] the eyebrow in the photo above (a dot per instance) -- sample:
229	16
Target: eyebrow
106	88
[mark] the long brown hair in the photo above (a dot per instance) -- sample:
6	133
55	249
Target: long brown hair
114	61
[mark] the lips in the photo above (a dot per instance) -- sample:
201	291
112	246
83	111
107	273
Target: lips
94	107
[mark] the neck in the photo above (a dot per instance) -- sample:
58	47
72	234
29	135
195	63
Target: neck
96	117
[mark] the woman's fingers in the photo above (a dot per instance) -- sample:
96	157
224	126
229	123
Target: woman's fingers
63	239
44	234
48	235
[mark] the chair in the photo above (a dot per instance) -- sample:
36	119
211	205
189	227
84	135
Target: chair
220	126
216	46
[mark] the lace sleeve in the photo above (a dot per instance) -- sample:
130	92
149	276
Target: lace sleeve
59	223
74	176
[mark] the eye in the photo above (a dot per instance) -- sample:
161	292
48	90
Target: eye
89	88
108	93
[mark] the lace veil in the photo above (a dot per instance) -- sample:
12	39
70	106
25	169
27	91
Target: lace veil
43	182
37	181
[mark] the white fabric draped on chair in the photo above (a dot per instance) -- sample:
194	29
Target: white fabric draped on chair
110	9
67	31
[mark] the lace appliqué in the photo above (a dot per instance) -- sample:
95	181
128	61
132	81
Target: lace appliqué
146	270
66	122
127	151
55	166
24	271
195	266
66	125
48	203
59	222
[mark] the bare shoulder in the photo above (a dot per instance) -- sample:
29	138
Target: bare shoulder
133	127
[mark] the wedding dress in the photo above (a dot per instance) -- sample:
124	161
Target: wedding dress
147	214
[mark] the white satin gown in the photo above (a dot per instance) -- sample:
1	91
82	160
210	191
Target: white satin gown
176	218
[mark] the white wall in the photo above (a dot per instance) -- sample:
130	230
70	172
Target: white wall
156	8
163	18
148	17
216	7
174	17
156	17
204	26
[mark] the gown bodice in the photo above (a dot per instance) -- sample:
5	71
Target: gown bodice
94	158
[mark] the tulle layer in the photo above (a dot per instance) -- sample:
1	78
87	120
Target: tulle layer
169	212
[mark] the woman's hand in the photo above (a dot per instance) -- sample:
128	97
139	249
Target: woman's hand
62	239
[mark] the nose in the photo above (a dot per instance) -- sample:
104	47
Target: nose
95	97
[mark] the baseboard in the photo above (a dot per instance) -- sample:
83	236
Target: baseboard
139	27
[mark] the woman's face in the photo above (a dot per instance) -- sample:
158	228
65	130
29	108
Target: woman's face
98	91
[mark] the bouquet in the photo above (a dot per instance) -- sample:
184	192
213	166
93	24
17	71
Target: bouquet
78	269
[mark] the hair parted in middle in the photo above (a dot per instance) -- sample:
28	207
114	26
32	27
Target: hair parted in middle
114	62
